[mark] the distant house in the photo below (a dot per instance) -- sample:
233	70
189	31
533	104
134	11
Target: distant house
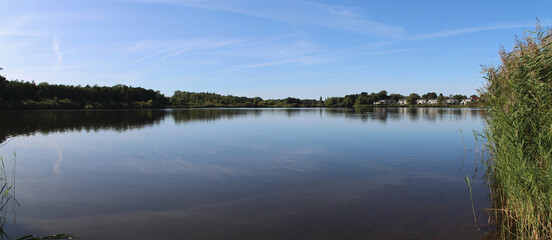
452	101
466	101
402	101
474	99
432	101
385	102
421	101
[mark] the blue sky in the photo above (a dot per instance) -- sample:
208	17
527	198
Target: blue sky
266	48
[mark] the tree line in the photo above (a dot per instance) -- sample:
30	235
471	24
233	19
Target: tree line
29	95
16	94
365	99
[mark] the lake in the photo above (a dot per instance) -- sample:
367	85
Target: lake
376	173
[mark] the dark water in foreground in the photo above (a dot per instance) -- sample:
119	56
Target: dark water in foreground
245	173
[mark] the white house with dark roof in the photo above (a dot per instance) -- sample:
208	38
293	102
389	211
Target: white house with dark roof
421	101
385	102
452	101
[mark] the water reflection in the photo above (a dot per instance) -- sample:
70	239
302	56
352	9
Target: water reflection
206	115
383	115
371	173
15	123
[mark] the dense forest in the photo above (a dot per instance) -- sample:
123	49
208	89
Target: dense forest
190	99
29	95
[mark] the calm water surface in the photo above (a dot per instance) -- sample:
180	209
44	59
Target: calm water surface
380	173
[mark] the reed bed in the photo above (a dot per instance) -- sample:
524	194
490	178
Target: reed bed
519	133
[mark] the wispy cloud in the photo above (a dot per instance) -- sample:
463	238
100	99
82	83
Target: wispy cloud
296	12
305	60
320	14
172	48
21	33
454	32
16	27
138	45
393	51
156	54
55	48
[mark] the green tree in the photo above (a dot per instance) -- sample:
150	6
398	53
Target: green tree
350	100
441	98
431	95
459	97
396	97
411	100
291	100
382	95
257	100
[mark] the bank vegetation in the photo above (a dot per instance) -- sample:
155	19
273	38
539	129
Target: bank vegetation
519	134
16	94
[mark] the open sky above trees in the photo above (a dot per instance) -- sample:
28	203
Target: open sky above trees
265	48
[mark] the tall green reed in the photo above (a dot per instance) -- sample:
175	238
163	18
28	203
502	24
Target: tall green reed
7	193
519	134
